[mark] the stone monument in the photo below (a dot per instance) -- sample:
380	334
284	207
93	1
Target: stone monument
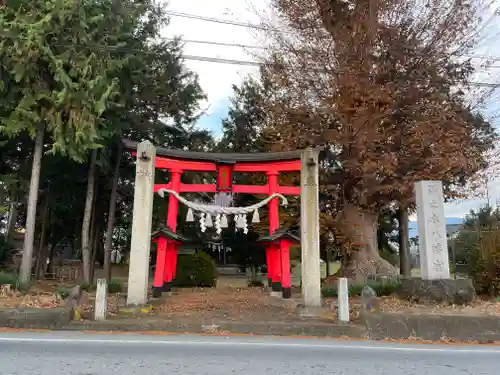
141	224
432	241
435	284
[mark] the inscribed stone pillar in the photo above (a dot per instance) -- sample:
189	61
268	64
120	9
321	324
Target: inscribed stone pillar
138	275
432	241
309	228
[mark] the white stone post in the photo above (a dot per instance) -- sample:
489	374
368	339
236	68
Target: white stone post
138	274
343	299
432	241
309	228
101	300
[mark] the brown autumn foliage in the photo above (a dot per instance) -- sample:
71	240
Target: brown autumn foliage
376	82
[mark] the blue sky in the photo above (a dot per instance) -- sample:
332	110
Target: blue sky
217	79
212	120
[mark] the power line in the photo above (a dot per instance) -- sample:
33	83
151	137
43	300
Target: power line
218	60
216	20
260	27
221	61
256	63
222	44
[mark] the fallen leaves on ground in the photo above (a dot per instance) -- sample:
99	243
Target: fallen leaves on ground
393	304
480	307
227	303
44	300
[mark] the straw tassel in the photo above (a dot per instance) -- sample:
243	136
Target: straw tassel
208	221
239	221
255	217
223	221
190	216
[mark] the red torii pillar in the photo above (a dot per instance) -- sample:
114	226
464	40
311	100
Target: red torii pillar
168	243
280	242
272	252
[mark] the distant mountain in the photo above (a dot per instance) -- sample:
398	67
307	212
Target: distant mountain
413	227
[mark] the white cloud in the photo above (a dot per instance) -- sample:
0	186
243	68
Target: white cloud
216	79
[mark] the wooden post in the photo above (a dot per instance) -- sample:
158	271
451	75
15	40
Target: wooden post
343	299
101	300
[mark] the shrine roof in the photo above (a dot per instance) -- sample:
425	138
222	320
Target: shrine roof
278	235
170	234
221	157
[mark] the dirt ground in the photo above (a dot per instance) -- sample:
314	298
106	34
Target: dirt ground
231	303
393	304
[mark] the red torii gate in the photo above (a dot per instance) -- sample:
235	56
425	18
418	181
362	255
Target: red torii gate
225	164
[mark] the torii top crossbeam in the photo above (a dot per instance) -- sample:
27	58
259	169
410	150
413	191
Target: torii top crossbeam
225	164
219	157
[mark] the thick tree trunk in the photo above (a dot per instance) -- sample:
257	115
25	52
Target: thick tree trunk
111	216
41	258
360	229
51	254
92	232
95	249
29	236
328	260
87	215
96	237
11	221
404	245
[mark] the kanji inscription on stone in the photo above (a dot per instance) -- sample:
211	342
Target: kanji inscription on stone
437	248
433	246
434	219
438	265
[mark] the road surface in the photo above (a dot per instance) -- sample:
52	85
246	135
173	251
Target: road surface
45	353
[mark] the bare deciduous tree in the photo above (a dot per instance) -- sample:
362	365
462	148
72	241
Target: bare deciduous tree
380	84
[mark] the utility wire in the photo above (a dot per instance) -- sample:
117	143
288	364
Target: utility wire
219	60
260	27
223	44
217	20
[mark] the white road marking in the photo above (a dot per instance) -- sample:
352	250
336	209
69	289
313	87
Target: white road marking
388	348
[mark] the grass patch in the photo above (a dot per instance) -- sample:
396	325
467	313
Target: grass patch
114	286
255	283
381	287
12	280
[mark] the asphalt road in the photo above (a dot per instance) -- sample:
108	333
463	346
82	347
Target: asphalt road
44	353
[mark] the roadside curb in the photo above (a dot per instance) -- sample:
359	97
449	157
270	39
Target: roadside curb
36	318
433	327
222	327
374	326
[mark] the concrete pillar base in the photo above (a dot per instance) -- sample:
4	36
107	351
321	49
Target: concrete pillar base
167	287
276	294
157	291
287	293
276	286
